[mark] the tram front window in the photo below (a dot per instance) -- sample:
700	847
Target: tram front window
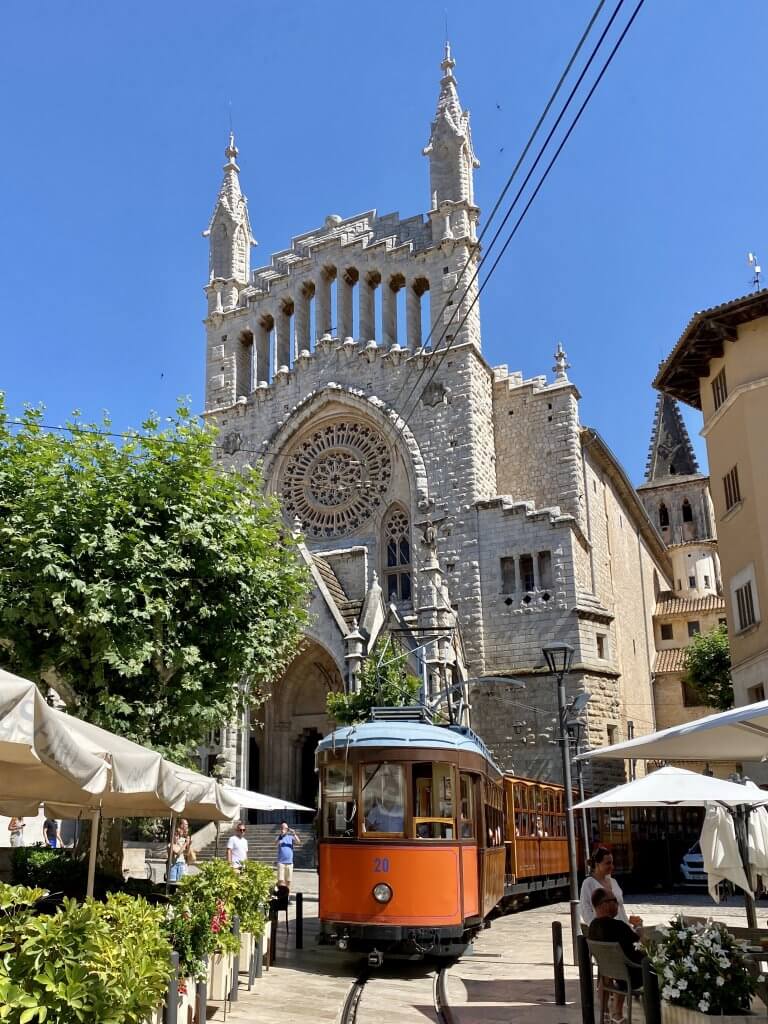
339	809
433	802
383	798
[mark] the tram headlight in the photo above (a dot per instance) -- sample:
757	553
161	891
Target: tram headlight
382	892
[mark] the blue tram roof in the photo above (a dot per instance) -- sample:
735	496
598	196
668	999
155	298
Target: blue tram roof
407	734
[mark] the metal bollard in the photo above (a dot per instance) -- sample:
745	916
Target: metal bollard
272	934
236	960
651	997
171	1008
586	983
558	962
299	920
254	967
202	995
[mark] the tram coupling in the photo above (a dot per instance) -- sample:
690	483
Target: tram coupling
375	958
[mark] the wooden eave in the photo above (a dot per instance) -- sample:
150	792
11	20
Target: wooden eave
704	340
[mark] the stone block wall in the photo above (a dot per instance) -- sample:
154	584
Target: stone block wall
536	428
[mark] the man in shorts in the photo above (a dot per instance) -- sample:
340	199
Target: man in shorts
286	841
237	847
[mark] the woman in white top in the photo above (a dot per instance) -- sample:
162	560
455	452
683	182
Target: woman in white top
601	863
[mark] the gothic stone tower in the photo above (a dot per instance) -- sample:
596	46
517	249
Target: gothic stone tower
461	508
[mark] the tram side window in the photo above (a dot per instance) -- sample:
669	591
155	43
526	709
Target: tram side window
383	794
339	809
466	807
494	814
433	812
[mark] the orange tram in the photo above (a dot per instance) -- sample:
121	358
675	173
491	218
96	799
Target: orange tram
421	837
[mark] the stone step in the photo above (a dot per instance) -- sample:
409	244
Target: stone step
261	845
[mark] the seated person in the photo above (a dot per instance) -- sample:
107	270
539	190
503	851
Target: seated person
607	927
384	816
538	828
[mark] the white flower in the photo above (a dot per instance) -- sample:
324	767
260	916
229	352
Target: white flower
668	972
720	982
704	1006
682	934
761	978
682	984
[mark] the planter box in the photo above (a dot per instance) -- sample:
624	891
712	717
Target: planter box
247	946
671	1014
187	1000
219	976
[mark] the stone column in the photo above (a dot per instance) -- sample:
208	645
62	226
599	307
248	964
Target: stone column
388	315
282	337
518	578
367	309
323	307
260	352
536	580
413	313
344	305
301	323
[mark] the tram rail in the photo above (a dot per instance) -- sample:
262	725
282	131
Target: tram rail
355	996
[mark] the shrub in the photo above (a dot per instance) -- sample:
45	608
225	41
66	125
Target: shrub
89	963
255	885
50	869
702	967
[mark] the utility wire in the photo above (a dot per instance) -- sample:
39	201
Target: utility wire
405	414
474	248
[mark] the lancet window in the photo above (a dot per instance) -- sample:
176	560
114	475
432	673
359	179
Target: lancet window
397	555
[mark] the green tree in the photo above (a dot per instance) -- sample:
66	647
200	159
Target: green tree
708	667
384	682
156	592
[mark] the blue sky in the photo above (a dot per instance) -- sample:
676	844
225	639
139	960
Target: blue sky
115	118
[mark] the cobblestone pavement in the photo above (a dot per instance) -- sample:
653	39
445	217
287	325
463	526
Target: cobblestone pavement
507	976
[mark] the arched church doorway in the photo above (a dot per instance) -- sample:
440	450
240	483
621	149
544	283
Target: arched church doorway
307	774
294	720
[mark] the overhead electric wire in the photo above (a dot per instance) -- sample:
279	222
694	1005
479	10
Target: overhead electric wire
543	178
475	246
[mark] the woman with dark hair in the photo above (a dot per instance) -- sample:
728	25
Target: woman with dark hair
601	877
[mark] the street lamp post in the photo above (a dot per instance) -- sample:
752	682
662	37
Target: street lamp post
559	658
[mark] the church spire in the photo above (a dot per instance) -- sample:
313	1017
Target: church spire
451	157
229	230
671	452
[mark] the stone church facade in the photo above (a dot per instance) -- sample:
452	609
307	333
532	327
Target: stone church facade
458	509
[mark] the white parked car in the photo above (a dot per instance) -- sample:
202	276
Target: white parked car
692	867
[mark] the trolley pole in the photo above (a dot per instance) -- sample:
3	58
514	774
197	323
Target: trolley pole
559	658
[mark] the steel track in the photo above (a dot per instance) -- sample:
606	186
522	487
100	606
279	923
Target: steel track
439	998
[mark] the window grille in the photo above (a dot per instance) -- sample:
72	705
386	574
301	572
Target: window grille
719	389
731	488
745	606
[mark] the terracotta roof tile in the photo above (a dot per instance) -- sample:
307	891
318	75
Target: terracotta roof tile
670	661
687	605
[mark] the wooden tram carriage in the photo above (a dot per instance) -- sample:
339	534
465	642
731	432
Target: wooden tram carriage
421	837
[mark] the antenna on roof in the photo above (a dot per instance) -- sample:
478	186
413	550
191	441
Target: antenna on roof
756	268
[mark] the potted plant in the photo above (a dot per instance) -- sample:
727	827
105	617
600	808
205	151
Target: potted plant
254	888
201	925
89	962
703	971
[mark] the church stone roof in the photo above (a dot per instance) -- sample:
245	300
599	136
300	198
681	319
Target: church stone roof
702	341
670	453
349	609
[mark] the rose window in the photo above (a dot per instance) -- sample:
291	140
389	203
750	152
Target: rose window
336	478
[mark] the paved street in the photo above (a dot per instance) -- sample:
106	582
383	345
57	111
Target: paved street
508	975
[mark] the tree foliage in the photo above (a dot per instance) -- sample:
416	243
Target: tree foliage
141	580
708	667
384	682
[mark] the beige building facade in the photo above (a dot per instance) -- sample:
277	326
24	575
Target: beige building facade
720	366
460	510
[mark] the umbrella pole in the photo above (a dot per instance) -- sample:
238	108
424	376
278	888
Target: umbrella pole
218	834
169	858
742	836
93	849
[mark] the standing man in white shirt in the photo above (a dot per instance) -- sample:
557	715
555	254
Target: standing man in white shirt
237	847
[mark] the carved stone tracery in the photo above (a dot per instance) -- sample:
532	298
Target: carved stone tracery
336	477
